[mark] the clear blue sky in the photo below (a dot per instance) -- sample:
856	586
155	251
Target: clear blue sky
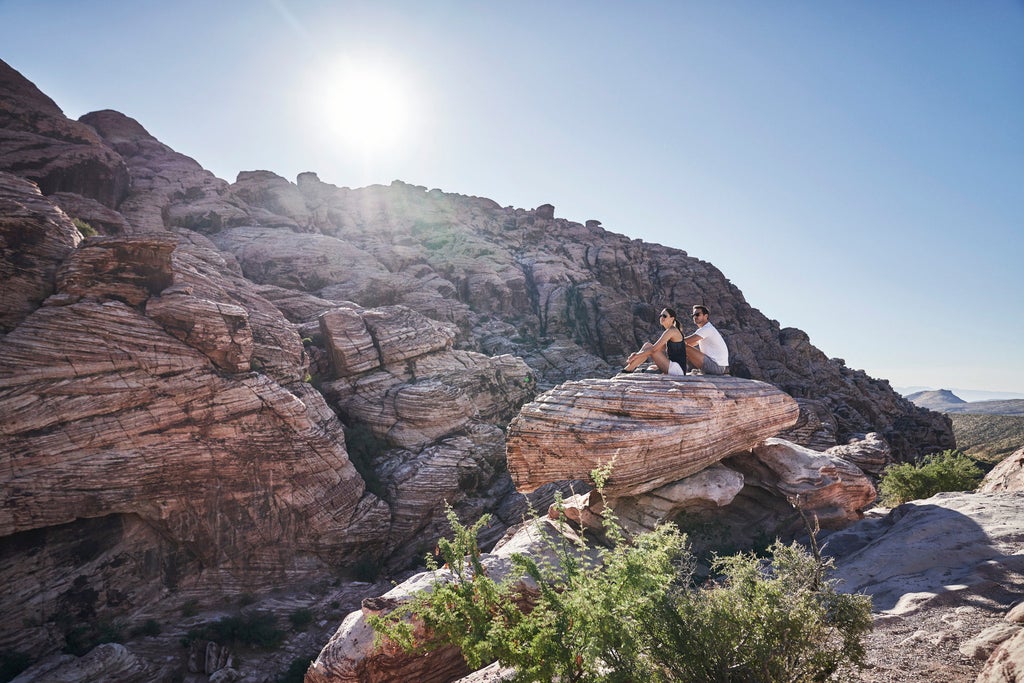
855	168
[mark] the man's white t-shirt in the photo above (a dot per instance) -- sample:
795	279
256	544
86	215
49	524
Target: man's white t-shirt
712	345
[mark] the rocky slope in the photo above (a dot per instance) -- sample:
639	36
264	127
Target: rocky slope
236	386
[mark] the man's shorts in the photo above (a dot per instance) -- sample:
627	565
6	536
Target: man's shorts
713	368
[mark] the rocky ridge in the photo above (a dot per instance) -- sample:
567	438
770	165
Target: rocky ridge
233	387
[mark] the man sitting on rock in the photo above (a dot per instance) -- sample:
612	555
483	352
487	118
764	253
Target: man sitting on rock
706	351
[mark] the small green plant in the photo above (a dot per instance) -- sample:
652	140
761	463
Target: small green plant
947	471
84	228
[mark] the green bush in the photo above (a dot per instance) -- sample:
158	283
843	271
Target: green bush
946	471
151	627
634	612
255	629
82	637
84	228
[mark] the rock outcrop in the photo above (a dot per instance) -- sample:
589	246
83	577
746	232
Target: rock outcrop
1008	475
35	237
651	430
39	143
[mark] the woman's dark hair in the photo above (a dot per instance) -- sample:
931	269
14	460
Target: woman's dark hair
675	318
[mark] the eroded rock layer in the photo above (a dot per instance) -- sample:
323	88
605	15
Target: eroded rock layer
651	430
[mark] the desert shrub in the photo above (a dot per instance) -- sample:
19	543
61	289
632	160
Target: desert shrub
946	471
81	637
255	629
151	627
84	228
634	612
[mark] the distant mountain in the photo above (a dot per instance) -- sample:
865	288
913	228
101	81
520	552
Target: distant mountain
969	395
940	401
945	401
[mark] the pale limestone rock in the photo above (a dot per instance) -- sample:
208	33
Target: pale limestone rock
35	237
985	643
1016	615
929	547
1008	475
831	489
870	453
651	430
1006	665
711	488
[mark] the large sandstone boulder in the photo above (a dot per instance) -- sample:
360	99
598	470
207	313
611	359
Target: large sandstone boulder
651	430
1008	475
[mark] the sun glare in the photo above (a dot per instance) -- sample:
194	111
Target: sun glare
367	108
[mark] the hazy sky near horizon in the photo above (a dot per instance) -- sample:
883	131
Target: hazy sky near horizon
855	168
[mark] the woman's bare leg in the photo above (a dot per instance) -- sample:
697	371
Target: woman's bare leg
647	353
638	358
661	360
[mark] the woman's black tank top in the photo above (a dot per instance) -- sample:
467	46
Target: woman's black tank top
676	351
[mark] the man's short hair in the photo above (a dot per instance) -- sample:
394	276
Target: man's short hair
702	308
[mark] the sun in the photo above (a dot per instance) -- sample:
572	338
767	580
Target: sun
366	107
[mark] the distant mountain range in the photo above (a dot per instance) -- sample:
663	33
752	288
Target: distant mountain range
969	395
945	401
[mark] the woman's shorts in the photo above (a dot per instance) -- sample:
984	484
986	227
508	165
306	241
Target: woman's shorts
674	369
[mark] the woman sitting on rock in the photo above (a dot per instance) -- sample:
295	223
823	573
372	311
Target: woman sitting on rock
668	353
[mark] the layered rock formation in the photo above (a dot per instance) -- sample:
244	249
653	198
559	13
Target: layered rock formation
650	430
